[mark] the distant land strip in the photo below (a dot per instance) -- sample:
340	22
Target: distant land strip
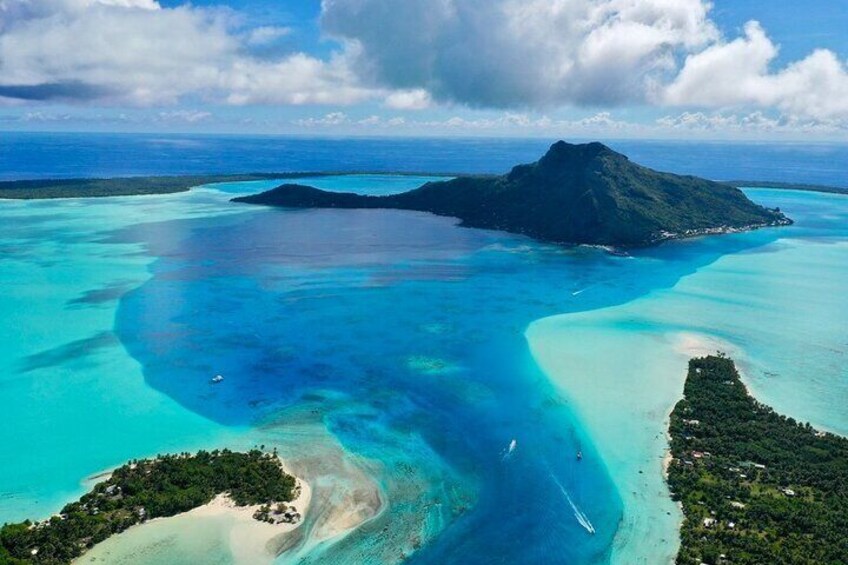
144	185
786	186
169	184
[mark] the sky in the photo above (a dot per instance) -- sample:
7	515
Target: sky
726	69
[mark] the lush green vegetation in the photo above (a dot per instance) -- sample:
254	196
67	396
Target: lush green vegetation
756	487
583	194
145	489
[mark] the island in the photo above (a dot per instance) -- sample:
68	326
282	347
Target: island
574	194
58	188
755	487
154	488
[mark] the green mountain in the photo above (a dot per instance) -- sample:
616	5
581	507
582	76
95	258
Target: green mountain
577	194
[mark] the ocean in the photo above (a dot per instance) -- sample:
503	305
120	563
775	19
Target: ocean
63	155
393	357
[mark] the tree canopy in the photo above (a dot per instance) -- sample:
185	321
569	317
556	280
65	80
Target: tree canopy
756	487
143	489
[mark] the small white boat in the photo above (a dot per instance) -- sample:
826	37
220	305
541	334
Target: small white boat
217	379
508	451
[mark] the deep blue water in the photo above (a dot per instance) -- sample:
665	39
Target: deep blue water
419	326
422	340
40	155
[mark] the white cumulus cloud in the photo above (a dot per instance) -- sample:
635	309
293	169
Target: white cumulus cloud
602	53
516	53
737	73
137	52
417	99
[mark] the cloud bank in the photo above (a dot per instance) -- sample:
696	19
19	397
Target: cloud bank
737	73
603	53
516	55
136	52
521	53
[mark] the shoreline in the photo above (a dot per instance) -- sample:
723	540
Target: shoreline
151	185
251	540
336	498
737	313
626	418
719	427
248	539
787	186
146	185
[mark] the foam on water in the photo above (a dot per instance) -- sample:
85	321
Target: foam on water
578	514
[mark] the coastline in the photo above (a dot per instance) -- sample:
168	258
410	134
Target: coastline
623	368
753	317
249	540
623	388
743	473
96	187
338	496
694	233
787	186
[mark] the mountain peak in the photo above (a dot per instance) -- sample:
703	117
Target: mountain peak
562	150
568	158
565	160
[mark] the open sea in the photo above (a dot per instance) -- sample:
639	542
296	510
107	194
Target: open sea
393	357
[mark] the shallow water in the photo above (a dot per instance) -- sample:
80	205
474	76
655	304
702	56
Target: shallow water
385	352
777	308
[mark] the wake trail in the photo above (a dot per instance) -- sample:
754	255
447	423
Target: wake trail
507	453
582	519
590	287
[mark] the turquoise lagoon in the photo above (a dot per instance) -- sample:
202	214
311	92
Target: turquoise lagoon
392	357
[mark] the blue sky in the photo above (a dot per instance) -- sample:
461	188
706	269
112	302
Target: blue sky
746	69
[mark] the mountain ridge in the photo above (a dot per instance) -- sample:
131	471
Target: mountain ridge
574	194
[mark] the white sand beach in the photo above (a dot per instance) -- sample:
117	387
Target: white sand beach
248	540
